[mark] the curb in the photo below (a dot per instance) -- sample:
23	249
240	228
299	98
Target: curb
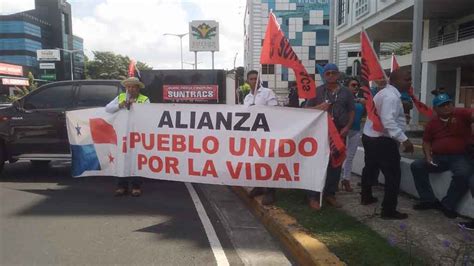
305	249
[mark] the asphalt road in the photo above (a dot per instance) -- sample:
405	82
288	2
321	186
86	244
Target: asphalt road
49	218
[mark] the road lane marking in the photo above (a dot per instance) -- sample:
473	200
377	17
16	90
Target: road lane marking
216	246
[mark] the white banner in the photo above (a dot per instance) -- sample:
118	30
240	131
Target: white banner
203	35
48	55
255	146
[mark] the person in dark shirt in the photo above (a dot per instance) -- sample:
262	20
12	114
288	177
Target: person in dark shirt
338	101
445	143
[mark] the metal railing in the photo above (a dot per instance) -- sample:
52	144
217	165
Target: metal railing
452	37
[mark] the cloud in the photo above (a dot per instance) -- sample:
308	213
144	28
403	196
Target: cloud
136	28
8	7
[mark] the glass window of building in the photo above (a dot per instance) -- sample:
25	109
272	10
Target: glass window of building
361	7
268	69
341	12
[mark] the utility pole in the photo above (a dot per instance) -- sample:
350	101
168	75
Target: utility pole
180	36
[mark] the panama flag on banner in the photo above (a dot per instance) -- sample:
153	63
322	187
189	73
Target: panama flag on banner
370	71
93	143
421	107
277	49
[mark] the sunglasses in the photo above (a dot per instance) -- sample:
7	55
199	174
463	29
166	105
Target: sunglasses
354	85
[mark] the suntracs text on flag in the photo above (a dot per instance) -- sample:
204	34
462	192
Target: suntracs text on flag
276	49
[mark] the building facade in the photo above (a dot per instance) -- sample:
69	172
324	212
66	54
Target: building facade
306	25
446	38
48	26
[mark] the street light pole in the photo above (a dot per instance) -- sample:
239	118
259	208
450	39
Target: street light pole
235	58
71	52
180	36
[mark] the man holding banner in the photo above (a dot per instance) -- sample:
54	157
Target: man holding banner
126	100
260	96
338	101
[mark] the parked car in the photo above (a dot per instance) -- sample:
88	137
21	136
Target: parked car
34	127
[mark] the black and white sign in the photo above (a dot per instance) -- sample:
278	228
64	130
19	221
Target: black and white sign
47	66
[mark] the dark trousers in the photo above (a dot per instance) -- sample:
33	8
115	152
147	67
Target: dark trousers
461	167
332	181
135	181
382	153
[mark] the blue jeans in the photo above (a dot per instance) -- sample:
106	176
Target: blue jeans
459	165
332	181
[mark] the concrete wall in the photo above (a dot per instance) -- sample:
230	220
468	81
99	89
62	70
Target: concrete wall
439	182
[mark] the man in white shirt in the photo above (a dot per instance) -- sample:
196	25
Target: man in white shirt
260	96
382	148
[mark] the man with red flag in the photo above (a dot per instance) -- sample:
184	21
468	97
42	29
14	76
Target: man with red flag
338	101
382	148
409	98
260	95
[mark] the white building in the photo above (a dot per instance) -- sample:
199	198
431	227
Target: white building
446	37
306	25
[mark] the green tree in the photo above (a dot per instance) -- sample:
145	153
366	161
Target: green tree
31	81
404	49
107	65
23	90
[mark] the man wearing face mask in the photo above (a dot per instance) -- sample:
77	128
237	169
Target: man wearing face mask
124	101
445	142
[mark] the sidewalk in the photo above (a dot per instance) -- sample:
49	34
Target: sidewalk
435	238
430	236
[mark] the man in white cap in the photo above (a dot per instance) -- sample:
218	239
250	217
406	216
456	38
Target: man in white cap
124	100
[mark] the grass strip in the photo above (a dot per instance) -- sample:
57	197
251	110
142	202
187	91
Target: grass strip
352	241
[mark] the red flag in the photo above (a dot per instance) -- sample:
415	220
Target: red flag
370	70
131	68
277	50
422	108
394	64
373	69
336	145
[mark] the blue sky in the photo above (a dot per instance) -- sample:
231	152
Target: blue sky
136	27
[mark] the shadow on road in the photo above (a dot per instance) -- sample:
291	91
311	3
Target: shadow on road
64	195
